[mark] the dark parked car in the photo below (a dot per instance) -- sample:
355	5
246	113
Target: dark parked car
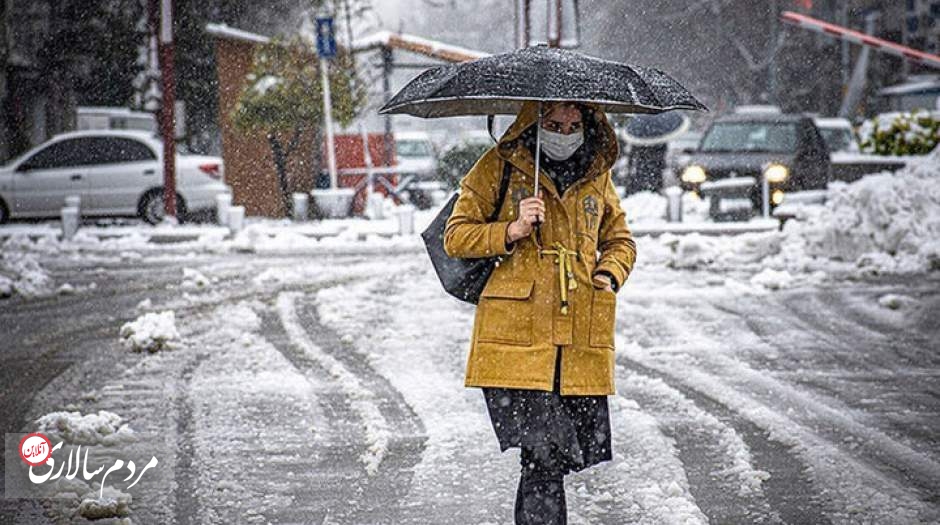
740	150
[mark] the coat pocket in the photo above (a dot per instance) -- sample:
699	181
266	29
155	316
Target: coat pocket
603	315
505	314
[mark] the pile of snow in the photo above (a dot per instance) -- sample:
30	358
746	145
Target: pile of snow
648	207
772	279
887	222
895	301
645	206
151	332
105	428
107	503
194	280
21	273
696	251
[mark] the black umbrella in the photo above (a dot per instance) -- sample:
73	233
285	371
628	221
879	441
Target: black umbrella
500	84
650	130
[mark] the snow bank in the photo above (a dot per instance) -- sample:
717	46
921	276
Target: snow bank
105	428
885	222
21	273
151	332
697	251
645	206
882	223
772	279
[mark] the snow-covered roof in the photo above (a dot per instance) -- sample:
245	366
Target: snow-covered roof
224	31
832	122
412	135
416	44
760	109
916	84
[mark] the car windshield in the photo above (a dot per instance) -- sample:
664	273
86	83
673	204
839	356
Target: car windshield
412	148
838	139
771	137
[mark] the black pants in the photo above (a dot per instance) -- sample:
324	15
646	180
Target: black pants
540	498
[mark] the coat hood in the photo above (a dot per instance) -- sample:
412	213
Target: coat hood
510	145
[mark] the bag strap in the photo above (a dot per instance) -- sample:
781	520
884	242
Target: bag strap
503	187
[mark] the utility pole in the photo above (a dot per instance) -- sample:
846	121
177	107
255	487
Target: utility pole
772	67
523	23
167	128
554	23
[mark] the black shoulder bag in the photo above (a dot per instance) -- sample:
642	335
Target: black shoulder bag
462	278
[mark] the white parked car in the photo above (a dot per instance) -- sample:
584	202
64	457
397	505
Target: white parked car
415	154
417	167
115	172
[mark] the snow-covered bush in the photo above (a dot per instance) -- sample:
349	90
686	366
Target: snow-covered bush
151	332
914	133
105	428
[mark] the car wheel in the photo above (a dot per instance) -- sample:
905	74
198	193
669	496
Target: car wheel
4	212
151	208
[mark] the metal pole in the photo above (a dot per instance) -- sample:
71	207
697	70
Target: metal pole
538	150
765	194
367	157
772	73
386	96
328	119
526	22
166	112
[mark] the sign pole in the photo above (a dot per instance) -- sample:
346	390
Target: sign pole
326	49
328	118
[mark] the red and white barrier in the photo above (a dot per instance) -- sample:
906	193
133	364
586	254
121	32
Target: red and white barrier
857	37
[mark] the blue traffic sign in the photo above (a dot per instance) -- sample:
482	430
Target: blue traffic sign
326	40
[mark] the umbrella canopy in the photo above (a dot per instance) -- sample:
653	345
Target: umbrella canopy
650	130
499	84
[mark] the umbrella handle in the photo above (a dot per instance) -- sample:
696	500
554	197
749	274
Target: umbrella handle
538	156
538	151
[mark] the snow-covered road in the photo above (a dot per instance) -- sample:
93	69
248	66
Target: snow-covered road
328	389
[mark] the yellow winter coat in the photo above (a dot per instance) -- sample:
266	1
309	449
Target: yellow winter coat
519	320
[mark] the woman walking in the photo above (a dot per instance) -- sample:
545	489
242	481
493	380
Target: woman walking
543	338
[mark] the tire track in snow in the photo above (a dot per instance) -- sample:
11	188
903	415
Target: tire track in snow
371	497
706	353
832	408
362	400
718	463
790	493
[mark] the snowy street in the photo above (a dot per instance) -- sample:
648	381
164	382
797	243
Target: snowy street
328	388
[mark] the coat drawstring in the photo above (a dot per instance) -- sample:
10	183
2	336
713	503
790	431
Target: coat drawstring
566	280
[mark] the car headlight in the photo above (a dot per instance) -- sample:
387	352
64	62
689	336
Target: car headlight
776	173
694	175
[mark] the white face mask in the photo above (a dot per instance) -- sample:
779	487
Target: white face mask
559	146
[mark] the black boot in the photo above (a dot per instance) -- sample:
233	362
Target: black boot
540	498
